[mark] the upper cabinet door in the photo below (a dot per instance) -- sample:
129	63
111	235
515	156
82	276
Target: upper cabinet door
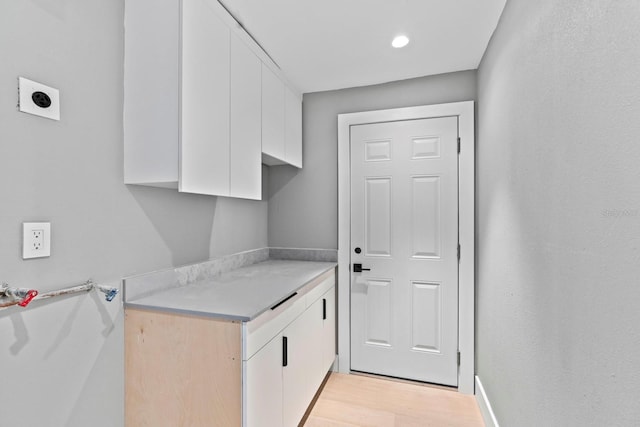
204	142
293	128
151	92
246	131
272	115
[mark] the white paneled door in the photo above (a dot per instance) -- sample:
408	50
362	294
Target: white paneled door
404	235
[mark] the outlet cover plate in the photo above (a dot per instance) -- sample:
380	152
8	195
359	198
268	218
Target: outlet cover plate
36	240
26	104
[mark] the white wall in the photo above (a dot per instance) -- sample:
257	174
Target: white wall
303	204
62	361
558	220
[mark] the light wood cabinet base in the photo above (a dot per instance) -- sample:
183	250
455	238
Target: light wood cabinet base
182	370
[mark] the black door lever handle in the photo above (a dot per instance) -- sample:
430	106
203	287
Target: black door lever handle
357	268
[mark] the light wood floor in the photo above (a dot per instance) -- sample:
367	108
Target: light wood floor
356	400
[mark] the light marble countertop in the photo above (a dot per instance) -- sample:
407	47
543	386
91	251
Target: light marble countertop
241	294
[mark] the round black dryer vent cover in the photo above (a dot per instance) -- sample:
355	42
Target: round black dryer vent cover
41	99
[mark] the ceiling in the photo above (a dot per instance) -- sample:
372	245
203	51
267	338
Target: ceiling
333	44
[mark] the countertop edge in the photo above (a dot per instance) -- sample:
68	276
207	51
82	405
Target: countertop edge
173	310
331	265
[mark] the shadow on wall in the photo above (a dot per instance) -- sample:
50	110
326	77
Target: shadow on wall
58	9
279	177
20	330
100	399
183	221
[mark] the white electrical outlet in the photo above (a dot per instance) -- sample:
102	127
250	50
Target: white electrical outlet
38	99
36	239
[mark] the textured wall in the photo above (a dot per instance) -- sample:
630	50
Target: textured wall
558	221
303	204
62	362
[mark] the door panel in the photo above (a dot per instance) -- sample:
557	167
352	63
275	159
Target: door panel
425	148
378	216
377	151
378	312
426	312
425	216
404	214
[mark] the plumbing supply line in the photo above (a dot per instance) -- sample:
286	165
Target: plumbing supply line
9	304
27	295
20	296
108	291
85	287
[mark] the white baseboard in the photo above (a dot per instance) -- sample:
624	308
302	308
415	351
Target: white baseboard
485	407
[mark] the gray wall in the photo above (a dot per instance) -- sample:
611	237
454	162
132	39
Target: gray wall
62	362
303	204
558	224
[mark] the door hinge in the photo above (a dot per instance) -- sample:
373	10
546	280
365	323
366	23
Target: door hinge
458	252
458	358
458	144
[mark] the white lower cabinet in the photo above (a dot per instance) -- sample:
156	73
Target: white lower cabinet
283	376
323	347
195	370
299	369
329	329
264	386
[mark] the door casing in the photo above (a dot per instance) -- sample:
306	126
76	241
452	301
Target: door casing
466	193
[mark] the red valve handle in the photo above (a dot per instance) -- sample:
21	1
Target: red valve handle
31	294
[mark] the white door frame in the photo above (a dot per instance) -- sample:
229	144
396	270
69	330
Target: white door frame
466	185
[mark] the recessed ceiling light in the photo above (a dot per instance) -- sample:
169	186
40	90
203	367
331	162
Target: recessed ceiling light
400	41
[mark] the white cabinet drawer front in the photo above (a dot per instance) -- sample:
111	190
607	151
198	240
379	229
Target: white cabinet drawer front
328	281
262	329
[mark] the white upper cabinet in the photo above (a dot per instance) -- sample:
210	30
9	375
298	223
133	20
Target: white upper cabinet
151	92
194	116
204	141
246	118
281	122
272	117
292	128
